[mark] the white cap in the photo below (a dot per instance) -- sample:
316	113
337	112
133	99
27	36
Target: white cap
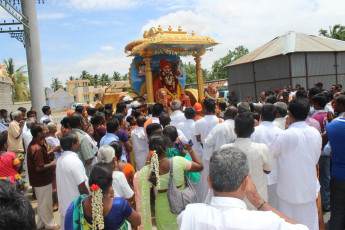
127	99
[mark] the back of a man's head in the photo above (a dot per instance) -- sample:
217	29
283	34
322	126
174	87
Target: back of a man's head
269	112
16	212
281	108
222	105
301	94
164	119
243	107
299	108
79	109
320	99
36	129
175	105
120	107
152	128
157	109
314	91
209	105
189	112
230	113
244	125
75	120
141	121
112	125
228	169
67	140
271	99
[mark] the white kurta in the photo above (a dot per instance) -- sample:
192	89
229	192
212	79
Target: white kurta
230	213
45	117
188	129
298	151
140	147
280	122
176	117
259	159
221	134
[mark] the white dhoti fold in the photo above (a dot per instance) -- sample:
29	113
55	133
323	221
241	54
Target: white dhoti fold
45	215
305	214
202	188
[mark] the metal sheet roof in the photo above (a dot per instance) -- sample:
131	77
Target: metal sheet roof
292	42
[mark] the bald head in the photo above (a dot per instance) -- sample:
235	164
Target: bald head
141	121
230	113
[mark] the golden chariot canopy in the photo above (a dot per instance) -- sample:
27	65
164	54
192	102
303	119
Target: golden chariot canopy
169	42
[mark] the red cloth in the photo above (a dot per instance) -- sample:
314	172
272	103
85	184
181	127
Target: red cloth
7	163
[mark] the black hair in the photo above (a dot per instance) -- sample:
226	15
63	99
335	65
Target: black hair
281	111
79	108
314	91
67	140
91	111
328	95
35	129
150	108
320	99
22	109
256	116
285	94
16	212
97	118
108	106
189	112
112	125
222	105
2	111
120	107
271	99
65	122
100	109
108	113
301	94
75	120
209	105
29	113
252	108
129	119
269	112
117	146
141	121
171	133
339	86
119	117
244	124
165	110
101	175
157	109
164	119
45	109
3	140
137	114
151	128
157	142
46	121
299	108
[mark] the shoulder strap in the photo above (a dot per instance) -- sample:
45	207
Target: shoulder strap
171	167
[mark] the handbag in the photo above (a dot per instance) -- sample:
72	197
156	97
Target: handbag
178	199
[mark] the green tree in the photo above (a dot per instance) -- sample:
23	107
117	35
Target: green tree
19	87
71	78
95	80
56	84
190	73
104	80
336	32
84	75
218	68
125	77
116	76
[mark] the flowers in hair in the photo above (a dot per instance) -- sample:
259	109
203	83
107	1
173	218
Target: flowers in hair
94	187
97	207
154	167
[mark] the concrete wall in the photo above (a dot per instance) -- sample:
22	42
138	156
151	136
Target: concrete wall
5	93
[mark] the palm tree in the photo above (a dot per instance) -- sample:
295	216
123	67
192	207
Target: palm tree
56	84
116	76
84	75
95	80
337	32
71	78
105	80
19	87
125	77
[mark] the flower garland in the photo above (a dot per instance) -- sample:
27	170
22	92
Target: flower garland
154	167
214	98
97	207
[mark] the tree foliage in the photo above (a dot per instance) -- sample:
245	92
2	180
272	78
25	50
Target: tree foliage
20	83
336	32
56	84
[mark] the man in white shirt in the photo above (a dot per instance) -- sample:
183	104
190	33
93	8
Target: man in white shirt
140	143
281	114
230	181
177	116
265	133
27	138
223	133
71	178
298	151
202	128
47	114
259	157
187	127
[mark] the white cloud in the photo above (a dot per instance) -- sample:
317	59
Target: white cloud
107	48
103	4
52	16
250	23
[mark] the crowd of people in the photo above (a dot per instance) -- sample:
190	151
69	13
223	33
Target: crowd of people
249	165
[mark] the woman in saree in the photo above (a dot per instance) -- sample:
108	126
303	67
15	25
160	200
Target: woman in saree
100	210
157	174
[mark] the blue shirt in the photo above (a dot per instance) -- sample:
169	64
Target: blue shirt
119	211
336	132
107	139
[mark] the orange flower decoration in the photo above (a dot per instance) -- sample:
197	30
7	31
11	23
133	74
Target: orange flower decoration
94	187
151	153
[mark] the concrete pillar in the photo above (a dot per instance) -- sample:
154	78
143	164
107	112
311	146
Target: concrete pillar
33	56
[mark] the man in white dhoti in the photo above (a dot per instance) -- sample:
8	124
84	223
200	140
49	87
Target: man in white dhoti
281	114
202	128
265	133
223	133
298	151
177	116
140	144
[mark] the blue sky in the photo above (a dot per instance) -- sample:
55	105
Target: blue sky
91	34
